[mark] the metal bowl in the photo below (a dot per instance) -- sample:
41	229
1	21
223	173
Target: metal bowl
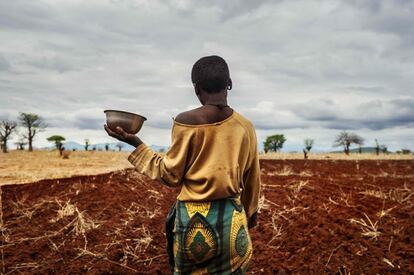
130	122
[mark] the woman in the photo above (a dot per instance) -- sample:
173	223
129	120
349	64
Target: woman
214	158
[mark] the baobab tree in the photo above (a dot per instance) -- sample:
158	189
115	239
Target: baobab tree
345	139
34	124
6	129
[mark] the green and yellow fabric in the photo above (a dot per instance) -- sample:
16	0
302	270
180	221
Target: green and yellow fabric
211	237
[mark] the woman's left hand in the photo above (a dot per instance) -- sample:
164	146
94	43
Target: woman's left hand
252	222
123	136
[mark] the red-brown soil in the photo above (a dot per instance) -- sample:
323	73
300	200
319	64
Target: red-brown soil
311	221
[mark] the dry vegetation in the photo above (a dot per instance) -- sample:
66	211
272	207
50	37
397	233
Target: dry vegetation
66	229
316	217
361	206
24	167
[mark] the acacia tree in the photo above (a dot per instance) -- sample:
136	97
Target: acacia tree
34	124
274	143
58	140
377	147
345	140
6	129
308	142
384	148
87	143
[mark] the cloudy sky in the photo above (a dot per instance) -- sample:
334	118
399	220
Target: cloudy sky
307	69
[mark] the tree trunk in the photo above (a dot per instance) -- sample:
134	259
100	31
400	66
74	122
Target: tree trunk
4	146
30	139
30	144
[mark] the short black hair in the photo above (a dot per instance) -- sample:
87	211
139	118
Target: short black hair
211	74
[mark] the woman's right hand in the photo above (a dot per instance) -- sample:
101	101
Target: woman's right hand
123	136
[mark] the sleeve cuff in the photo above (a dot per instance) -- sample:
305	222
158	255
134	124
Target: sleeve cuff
135	158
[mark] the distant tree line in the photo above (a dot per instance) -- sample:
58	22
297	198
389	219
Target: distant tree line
31	124
344	139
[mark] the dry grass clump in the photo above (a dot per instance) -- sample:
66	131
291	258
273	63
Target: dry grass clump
23	210
295	189
277	228
65	154
65	210
23	167
81	222
264	204
136	210
79	225
400	195
369	229
279	213
138	245
288	171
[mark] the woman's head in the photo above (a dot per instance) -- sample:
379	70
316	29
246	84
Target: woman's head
211	74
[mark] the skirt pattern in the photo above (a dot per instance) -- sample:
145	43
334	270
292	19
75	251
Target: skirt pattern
211	238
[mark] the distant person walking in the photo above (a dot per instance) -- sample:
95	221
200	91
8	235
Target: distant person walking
214	158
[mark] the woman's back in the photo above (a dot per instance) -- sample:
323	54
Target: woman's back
210	161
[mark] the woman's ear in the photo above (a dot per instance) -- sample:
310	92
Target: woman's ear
230	86
196	89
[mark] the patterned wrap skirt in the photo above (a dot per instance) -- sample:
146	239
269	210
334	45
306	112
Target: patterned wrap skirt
211	238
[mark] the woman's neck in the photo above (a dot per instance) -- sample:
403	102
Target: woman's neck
216	99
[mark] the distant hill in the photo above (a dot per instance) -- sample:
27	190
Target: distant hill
356	150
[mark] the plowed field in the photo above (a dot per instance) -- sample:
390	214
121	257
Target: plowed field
316	217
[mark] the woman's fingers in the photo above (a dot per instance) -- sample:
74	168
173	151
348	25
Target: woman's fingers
121	132
112	133
109	131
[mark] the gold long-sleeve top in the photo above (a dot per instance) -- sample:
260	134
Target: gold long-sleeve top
210	161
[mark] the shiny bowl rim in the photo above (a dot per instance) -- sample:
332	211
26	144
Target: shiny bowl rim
129	113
